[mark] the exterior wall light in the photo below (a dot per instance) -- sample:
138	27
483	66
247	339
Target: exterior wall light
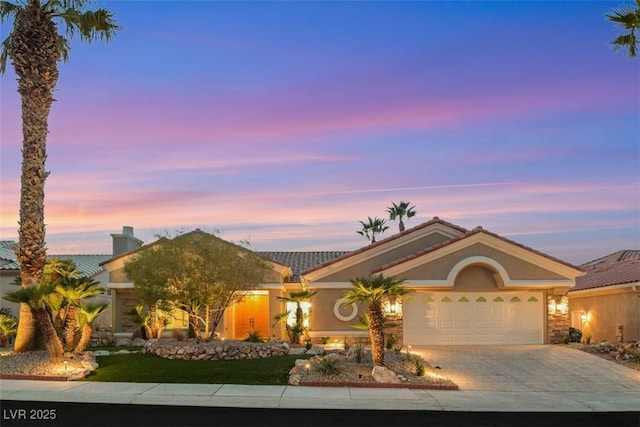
563	306
552	306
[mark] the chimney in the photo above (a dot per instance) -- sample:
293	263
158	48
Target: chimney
125	241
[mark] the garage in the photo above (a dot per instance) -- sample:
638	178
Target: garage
451	318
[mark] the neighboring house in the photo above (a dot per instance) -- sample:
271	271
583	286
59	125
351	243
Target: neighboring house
605	303
87	265
469	287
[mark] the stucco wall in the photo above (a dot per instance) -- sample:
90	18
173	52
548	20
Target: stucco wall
322	315
365	267
475	278
608	311
517	268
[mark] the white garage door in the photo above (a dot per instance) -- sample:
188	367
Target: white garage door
473	318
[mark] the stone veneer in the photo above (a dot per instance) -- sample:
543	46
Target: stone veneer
215	350
557	324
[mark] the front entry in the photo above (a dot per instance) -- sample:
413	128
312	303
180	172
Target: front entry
252	315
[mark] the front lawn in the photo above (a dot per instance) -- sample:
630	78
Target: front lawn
148	368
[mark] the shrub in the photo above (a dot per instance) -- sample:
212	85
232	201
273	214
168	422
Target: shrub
391	342
359	352
567	339
325	340
329	364
178	334
575	335
397	349
254	337
419	368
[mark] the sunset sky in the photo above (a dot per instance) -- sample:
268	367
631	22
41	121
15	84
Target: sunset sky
285	123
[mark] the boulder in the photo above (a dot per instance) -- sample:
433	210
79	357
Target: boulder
384	375
89	365
315	350
100	353
140	342
294	379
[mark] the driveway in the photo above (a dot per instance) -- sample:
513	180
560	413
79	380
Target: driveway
530	368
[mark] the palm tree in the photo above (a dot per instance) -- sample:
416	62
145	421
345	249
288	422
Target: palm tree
88	313
298	329
35	297
35	47
73	290
629	19
375	291
400	211
372	227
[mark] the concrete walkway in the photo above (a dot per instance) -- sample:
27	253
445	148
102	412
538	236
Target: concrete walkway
491	378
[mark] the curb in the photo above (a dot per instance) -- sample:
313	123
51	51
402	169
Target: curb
377	385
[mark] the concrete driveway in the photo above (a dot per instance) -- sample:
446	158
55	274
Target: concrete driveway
530	368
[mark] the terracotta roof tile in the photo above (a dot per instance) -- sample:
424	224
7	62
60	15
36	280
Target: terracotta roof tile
434	220
463	236
617	268
301	261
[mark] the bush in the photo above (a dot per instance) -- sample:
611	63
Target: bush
359	352
329	364
325	340
254	337
419	368
575	335
391	342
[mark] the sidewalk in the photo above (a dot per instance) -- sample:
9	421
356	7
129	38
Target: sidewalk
290	397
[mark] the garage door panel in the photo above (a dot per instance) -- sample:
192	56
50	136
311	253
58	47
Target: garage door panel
474	318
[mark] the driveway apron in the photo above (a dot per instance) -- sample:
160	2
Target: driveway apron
526	368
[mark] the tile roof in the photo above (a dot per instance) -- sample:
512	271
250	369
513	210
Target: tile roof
463	236
301	261
617	268
87	265
434	220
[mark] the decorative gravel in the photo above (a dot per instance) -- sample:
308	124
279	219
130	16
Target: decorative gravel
352	371
37	363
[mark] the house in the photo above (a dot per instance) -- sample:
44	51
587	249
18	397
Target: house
605	303
468	287
87	265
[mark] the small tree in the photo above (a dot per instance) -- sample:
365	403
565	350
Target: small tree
35	298
198	273
374	291
298	329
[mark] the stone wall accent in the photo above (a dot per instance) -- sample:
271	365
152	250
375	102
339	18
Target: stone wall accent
557	324
214	350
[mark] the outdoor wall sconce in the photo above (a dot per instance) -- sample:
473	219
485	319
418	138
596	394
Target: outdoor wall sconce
561	306
585	317
392	306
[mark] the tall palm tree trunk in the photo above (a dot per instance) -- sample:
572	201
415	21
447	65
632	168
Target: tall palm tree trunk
376	332
34	52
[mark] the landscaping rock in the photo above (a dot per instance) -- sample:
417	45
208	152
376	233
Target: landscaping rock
214	350
384	375
98	353
315	350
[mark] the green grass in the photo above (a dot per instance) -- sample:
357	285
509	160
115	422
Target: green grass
148	368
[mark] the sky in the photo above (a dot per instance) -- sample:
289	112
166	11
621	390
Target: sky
286	123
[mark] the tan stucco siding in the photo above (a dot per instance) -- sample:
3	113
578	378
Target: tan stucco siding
607	312
516	268
118	276
475	279
365	267
323	317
